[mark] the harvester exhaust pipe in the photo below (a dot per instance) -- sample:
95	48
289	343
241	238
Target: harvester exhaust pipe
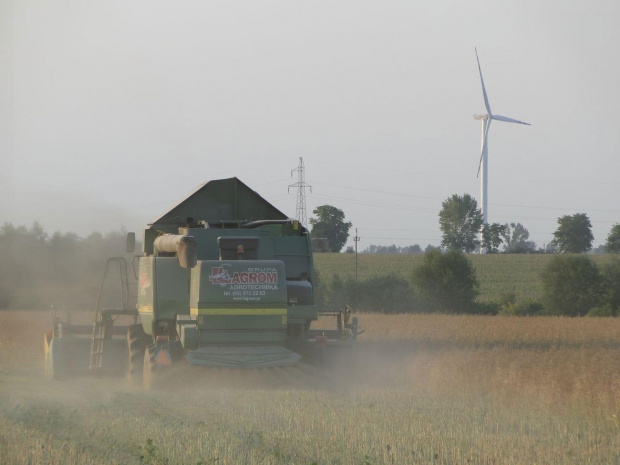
183	246
130	246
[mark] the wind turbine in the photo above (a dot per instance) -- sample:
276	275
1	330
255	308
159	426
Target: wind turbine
483	165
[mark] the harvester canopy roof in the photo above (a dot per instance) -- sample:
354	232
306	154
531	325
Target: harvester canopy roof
220	200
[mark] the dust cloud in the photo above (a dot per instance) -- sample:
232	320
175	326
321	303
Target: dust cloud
367	365
445	389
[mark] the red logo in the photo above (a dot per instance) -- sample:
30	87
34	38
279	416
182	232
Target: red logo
220	275
144	280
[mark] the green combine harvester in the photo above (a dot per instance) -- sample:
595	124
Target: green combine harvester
225	280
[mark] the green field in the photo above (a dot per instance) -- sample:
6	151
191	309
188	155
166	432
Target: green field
498	274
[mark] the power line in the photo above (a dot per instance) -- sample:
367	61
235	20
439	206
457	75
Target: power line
377	191
393	229
401	194
378	204
510	217
301	191
514	218
555	208
356	239
442	174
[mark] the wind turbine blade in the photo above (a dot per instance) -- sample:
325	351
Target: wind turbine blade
484	146
484	91
480	164
508	120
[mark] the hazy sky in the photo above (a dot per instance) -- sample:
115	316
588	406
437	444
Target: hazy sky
110	111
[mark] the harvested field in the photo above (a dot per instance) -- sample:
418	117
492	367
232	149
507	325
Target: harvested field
423	389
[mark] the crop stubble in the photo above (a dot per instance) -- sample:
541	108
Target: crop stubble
424	389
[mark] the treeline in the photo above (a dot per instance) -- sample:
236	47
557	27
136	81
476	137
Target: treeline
38	270
573	285
395	249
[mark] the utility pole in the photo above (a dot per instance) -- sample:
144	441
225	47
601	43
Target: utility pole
356	239
301	192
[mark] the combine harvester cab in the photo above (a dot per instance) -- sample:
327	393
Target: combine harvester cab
225	281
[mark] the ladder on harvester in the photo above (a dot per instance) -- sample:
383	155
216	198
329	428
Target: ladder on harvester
103	326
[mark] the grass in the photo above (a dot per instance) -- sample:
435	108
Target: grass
498	274
425	389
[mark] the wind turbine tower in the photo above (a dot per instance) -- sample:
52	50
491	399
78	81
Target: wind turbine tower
483	165
301	192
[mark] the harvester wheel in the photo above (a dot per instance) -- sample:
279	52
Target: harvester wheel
151	376
137	341
47	339
161	374
54	356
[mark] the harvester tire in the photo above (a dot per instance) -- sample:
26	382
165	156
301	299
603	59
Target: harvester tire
137	342
151	375
47	339
55	363
156	376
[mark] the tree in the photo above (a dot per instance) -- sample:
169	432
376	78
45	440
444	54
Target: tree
550	248
572	285
493	236
613	240
460	221
574	233
392	249
611	282
516	239
330	223
38	269
448	281
388	293
415	249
